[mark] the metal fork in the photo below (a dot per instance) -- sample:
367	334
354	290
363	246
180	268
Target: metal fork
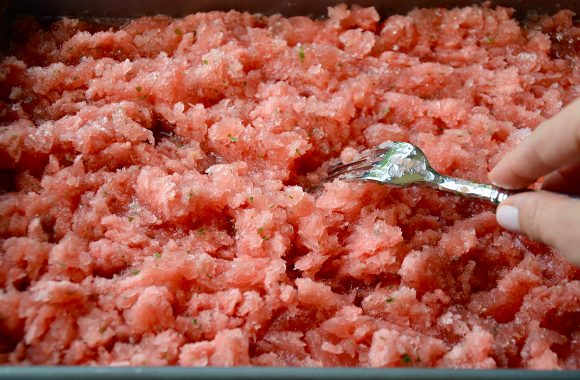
403	164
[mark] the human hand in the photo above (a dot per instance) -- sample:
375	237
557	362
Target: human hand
553	151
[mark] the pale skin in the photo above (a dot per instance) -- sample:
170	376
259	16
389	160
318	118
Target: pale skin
552	215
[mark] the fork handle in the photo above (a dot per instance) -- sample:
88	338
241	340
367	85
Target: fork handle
470	189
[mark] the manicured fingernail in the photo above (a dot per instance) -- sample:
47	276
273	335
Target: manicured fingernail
503	185
508	217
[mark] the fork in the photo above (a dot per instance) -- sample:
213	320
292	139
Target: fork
402	164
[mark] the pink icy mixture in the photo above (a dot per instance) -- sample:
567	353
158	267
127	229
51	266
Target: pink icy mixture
154	210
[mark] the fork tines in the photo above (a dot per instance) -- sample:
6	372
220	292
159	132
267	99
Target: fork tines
356	168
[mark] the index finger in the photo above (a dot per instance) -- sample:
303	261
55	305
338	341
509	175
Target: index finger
553	145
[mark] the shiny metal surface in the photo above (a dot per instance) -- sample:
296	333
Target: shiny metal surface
403	164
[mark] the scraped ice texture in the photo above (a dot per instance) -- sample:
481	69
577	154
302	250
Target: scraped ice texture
153	209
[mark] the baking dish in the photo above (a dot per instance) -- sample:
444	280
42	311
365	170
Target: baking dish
112	10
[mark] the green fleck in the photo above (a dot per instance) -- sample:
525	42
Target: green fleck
489	40
138	88
157	255
251	199
102	329
386	111
131	219
232	138
406	359
261	233
201	231
298	152
135	272
205	61
194	321
301	53
390	300
189	196
178	31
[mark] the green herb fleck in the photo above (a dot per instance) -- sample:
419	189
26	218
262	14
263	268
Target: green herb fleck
298	152
135	272
261	233
194	321
386	111
178	31
489	40
205	61
131	219
233	138
157	255
406	359
138	88
301	53
189	196
390	300
102	329
201	231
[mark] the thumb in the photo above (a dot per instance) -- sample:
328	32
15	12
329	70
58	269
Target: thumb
547	217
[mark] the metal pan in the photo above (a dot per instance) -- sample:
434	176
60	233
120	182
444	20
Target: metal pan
51	9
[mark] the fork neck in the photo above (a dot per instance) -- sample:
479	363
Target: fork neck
470	189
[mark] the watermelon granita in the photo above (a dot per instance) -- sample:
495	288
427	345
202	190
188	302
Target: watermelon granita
154	207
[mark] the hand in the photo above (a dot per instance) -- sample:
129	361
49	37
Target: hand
553	151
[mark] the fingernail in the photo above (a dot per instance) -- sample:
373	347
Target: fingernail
508	217
503	185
